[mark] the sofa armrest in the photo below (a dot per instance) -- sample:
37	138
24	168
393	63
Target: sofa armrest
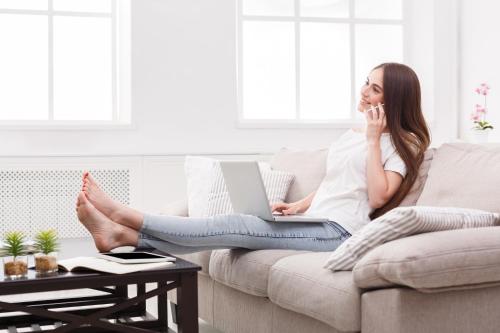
176	208
433	262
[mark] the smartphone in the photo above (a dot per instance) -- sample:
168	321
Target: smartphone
134	257
374	107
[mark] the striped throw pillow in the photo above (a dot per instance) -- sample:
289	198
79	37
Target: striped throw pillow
402	222
276	183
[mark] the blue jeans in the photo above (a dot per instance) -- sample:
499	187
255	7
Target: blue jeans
179	235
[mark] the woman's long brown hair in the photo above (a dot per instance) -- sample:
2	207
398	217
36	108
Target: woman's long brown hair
405	121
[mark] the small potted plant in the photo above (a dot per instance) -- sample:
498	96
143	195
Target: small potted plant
481	127
46	246
15	264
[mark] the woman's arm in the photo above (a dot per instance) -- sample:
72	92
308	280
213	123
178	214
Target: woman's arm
381	184
294	207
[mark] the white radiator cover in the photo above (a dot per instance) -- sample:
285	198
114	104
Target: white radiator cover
38	192
33	200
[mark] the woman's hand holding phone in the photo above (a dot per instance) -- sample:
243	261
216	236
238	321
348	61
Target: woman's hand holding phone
376	123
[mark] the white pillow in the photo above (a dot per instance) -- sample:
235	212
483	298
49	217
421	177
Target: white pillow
405	221
207	192
198	171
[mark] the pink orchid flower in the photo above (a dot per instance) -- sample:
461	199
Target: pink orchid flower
480	109
482	89
475	117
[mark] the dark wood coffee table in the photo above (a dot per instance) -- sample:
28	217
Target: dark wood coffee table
117	310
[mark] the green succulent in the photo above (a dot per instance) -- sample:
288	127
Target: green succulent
14	243
46	241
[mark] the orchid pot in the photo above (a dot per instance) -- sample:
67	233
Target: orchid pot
481	136
482	128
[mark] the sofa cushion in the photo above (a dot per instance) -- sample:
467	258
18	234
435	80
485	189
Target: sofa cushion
308	167
402	222
301	284
434	261
199	258
417	187
464	175
245	270
405	310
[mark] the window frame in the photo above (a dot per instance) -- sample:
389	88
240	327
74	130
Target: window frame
296	19
121	60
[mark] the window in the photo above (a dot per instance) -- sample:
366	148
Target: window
64	62
304	61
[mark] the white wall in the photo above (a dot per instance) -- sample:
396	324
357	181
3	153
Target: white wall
184	91
480	61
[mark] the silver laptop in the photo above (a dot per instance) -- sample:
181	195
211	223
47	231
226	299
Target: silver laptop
248	194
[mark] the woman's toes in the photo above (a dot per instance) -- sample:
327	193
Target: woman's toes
90	178
81	198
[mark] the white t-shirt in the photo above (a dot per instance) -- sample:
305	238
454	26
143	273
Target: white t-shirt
343	193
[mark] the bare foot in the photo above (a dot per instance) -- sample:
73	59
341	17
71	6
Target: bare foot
107	235
99	198
112	209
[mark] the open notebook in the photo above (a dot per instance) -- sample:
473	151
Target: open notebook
106	266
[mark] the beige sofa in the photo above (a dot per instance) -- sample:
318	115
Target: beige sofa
436	282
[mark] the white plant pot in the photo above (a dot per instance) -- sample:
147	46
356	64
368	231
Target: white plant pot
480	136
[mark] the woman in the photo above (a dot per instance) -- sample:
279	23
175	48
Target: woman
369	172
